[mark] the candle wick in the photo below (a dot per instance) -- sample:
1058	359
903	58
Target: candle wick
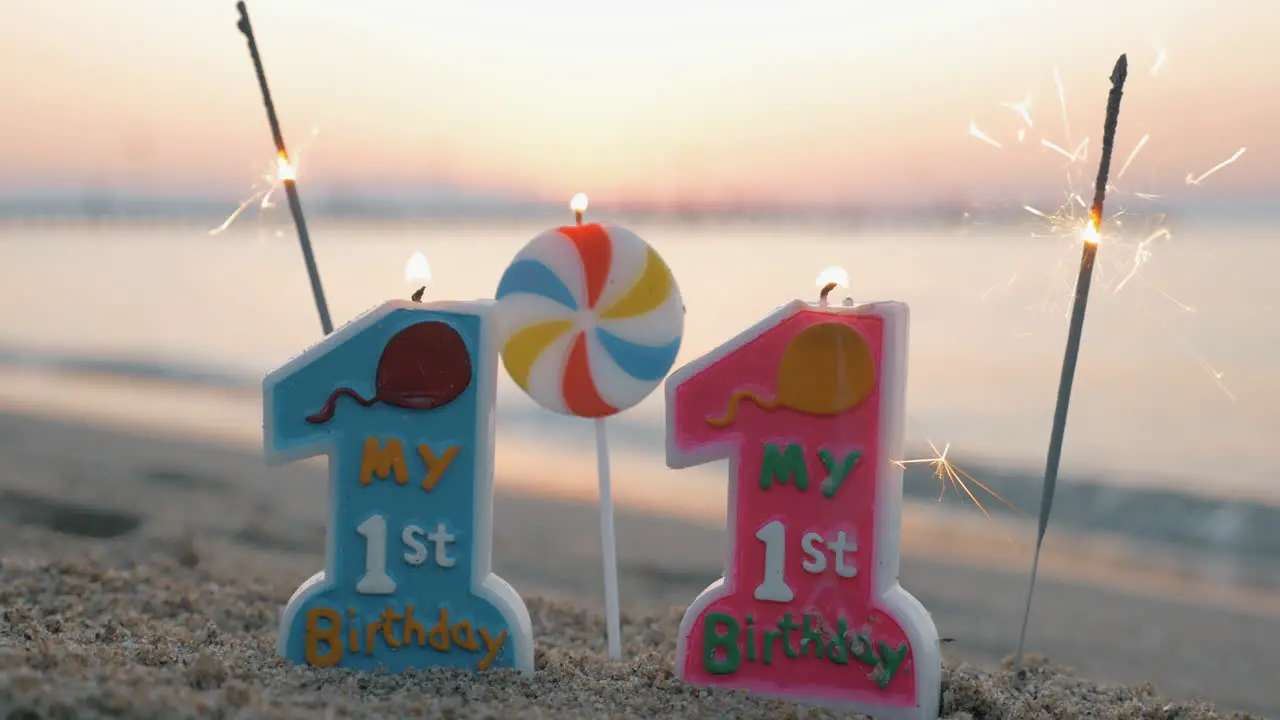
577	215
826	290
417	294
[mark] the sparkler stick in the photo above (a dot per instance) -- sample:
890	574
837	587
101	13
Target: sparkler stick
286	173
1090	252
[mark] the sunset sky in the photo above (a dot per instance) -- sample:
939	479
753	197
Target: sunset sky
823	100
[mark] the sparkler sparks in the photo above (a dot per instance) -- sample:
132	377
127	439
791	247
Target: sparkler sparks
1141	255
1062	102
1133	234
1197	180
1023	110
1136	149
1069	156
976	132
273	179
950	476
1161	56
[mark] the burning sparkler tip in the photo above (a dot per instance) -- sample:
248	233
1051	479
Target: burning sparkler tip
285	170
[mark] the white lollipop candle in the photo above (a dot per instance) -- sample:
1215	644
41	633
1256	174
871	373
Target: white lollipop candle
591	319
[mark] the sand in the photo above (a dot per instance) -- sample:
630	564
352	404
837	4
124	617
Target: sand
141	575
166	637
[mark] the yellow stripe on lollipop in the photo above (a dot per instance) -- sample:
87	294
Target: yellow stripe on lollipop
647	294
524	347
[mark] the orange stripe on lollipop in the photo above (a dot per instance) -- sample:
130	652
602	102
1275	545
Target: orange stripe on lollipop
580	394
596	251
826	369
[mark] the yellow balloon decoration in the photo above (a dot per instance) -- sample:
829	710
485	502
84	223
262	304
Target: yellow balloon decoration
827	369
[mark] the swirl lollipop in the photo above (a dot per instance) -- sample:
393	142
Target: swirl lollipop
591	322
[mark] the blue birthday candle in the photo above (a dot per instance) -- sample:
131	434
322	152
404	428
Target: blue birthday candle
401	400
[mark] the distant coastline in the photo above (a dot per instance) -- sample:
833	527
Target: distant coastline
449	204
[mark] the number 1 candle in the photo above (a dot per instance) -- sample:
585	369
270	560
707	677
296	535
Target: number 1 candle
401	399
807	405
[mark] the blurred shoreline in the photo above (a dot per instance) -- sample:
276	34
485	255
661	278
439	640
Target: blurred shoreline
1229	540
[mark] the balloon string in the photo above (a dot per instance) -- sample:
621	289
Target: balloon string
331	405
732	413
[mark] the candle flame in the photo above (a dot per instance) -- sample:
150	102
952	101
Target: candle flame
285	170
833	275
417	270
579	203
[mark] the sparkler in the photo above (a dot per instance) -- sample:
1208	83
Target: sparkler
287	172
273	181
1089	254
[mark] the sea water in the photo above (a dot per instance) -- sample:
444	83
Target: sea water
1173	398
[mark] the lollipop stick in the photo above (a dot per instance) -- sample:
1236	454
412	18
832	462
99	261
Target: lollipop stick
608	544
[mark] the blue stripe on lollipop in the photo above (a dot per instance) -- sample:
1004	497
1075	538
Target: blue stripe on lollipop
643	362
534	278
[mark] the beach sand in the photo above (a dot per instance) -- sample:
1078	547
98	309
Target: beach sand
170	638
143	572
